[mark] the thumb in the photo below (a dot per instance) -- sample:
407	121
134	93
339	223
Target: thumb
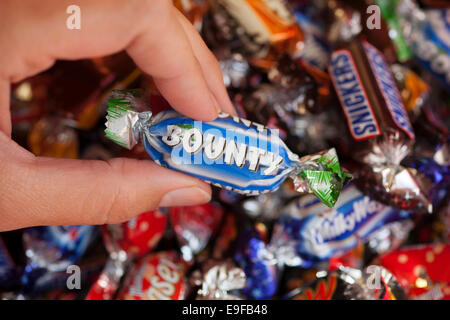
46	191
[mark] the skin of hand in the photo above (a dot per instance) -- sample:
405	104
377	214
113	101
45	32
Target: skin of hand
44	191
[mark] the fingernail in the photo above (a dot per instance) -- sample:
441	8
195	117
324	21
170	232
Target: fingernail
185	197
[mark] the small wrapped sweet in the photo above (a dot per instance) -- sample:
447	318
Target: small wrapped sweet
413	90
194	226
316	233
54	137
136	237
159	276
389	237
439	177
295	89
260	265
125	243
258	29
378	124
344	283
316	50
422	270
426	32
219	280
229	152
50	251
235	70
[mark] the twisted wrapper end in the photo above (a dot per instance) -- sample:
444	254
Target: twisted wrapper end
321	174
219	280
401	187
124	124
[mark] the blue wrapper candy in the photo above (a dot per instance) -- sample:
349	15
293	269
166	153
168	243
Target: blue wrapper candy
434	51
9	273
261	271
438	174
51	249
316	50
229	152
428	34
315	233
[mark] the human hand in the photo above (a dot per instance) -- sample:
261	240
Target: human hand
44	191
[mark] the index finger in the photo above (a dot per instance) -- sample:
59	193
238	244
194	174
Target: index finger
167	55
147	29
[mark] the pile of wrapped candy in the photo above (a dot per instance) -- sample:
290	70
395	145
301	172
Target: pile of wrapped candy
368	81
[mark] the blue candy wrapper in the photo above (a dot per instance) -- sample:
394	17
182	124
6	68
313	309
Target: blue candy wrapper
439	175
51	249
316	233
428	34
229	152
260	270
9	273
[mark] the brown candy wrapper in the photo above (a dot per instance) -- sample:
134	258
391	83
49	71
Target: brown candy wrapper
379	126
259	30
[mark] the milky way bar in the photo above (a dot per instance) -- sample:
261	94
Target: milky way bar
367	92
229	152
317	233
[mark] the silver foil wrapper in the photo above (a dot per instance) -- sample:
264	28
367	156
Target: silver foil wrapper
219	280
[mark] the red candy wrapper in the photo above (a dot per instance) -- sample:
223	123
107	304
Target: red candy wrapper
159	276
194	226
125	242
424	271
137	236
